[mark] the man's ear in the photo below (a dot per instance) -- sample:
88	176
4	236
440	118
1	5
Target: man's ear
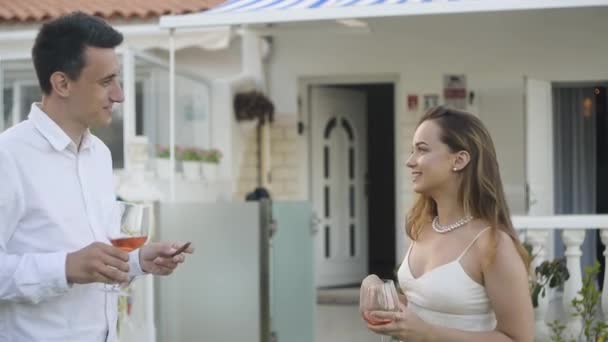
60	83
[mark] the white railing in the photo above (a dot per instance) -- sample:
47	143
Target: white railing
537	231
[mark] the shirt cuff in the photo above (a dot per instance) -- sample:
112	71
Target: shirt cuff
41	276
134	266
54	273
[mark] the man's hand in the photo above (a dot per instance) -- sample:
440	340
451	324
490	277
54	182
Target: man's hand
97	263
155	257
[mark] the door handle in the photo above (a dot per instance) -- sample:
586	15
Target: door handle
531	199
272	228
315	221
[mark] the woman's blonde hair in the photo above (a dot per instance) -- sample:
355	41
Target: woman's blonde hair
481	192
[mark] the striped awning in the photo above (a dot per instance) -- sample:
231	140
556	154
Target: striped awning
238	12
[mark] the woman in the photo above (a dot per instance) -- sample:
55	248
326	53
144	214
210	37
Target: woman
465	273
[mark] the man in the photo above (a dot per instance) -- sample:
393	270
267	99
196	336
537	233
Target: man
56	195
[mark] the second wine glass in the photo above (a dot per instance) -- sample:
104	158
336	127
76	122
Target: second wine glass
380	296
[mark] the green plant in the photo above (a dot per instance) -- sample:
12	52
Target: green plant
162	152
586	306
548	273
252	105
552	273
557	331
191	154
211	156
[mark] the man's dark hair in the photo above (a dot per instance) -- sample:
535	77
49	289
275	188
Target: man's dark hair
61	43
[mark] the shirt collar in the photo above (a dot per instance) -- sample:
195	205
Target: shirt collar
53	133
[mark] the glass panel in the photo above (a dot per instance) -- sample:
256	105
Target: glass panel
113	137
192	109
8	106
151	106
326	161
352	240
293	298
20	76
327	201
327	242
21	89
330	126
139	108
351	163
207	306
352	201
348	128
30	93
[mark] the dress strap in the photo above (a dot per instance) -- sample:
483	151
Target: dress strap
409	249
472	242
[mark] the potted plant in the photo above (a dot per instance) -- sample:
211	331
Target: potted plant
163	166
191	163
551	274
586	307
211	159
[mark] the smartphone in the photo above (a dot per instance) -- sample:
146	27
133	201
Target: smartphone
181	249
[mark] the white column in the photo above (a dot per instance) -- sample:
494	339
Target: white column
1	96
251	64
135	188
538	240
128	107
604	236
172	113
16	112
573	239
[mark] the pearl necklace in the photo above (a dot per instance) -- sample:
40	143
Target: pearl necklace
449	227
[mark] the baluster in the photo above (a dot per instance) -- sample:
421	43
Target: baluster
573	239
604	237
538	240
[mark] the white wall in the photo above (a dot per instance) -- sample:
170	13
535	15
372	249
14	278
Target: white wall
284	159
494	50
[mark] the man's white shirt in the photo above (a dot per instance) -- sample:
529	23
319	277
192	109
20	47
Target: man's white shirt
55	198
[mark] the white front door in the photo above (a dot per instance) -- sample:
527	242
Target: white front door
539	147
339	167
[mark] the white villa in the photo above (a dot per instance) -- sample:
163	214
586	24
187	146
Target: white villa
349	80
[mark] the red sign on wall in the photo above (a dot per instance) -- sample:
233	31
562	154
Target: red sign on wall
412	102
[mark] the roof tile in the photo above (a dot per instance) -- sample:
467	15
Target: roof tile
37	10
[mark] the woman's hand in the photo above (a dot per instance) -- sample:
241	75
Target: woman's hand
404	325
402	299
370	280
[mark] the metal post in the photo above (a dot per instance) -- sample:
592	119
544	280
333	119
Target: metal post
128	113
172	112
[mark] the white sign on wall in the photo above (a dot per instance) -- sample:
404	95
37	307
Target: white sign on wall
455	91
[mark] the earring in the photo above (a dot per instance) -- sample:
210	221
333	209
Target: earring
455	169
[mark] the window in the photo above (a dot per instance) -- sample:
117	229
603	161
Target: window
18	98
192	119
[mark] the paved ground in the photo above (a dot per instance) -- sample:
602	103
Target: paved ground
342	323
338	318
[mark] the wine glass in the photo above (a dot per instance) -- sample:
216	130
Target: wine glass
129	230
380	295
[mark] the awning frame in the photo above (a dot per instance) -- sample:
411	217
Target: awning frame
244	12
